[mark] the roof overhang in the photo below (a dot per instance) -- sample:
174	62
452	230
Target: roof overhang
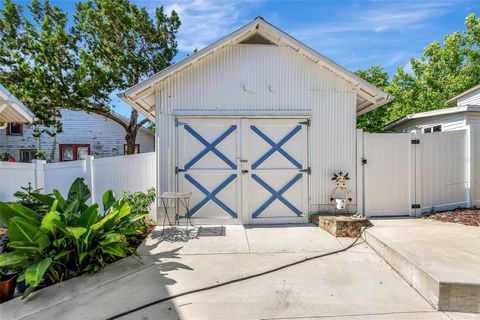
434	113
463	94
12	110
141	96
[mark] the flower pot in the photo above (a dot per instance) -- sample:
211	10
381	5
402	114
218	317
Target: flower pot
7	287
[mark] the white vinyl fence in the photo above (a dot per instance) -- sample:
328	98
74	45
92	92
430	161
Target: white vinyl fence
409	174
123	173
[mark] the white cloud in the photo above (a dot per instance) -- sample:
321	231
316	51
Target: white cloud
204	21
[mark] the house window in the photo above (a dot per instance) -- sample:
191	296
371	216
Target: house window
437	128
15	129
71	152
136	150
27	155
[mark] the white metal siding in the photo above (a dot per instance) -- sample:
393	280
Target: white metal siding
105	137
269	78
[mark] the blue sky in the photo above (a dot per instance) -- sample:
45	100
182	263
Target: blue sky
355	33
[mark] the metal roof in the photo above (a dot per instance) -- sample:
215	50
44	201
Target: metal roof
12	110
369	97
427	114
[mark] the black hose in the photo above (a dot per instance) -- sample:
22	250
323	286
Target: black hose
221	284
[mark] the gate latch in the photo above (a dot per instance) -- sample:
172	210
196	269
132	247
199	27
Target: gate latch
363	161
307	170
177	170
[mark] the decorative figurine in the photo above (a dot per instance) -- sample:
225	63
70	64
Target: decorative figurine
341	196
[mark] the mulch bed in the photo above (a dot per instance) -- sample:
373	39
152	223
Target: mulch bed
468	217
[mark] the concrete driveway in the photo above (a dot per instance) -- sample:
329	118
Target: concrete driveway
356	284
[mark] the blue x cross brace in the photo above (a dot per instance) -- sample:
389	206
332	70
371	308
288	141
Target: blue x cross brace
211	195
210	147
276	147
276	195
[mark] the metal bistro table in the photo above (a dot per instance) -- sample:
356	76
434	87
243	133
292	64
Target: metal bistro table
176	199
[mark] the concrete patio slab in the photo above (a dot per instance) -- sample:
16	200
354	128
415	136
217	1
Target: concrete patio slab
343	284
440	260
289	238
356	284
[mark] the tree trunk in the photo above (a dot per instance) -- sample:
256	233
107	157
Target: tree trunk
131	132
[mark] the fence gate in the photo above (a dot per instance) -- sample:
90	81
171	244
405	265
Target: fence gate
408	173
388	174
244	170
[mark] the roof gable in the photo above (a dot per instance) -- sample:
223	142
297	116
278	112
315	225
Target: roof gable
12	110
369	97
472	91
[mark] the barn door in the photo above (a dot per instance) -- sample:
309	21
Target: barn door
244	170
208	150
276	191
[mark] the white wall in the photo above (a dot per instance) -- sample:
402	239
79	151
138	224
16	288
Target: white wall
131	173
251	79
106	137
433	173
14	175
124	173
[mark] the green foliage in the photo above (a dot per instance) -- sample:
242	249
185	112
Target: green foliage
140	202
28	198
5	156
51	61
374	119
440	73
72	238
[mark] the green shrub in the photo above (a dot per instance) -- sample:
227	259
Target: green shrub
140	202
27	199
72	238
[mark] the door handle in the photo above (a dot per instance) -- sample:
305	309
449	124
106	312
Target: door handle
244	171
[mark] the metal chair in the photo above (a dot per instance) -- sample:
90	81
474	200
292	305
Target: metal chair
176	199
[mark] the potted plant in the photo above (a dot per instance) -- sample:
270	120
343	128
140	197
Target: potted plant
8	281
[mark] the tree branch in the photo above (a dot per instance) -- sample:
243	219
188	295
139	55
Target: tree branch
141	123
109	115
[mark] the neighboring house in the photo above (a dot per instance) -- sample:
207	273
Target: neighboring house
255	125
83	134
465	116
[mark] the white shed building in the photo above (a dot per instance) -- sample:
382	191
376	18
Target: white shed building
465	116
255	125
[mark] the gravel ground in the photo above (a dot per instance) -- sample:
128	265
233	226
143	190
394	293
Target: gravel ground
468	217
175	234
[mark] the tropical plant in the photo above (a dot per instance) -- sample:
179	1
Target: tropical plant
72	238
